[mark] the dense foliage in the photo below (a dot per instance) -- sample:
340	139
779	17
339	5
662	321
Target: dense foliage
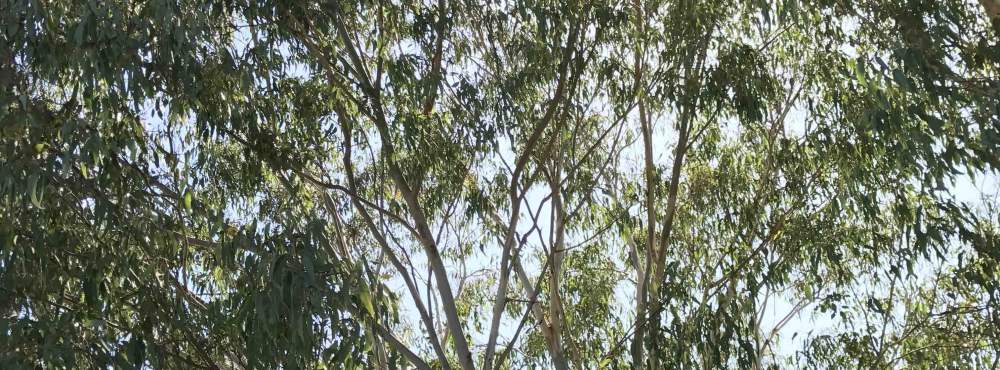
458	184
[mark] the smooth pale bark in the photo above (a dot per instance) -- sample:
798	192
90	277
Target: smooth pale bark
423	232
693	69
360	205
393	259
534	309
557	253
529	312
656	279
558	357
642	266
516	197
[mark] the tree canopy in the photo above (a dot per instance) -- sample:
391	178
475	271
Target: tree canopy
460	184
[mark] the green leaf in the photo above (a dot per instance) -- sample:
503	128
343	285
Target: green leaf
604	363
35	192
859	72
366	300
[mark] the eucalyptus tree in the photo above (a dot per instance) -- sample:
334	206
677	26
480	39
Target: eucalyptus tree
457	184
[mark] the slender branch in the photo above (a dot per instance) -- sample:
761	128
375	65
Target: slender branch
516	195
